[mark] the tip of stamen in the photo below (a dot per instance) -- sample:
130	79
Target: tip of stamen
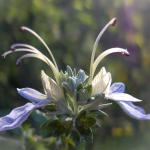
126	53
12	48
113	21
18	62
22	28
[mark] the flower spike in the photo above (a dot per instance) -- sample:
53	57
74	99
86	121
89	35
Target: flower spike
73	95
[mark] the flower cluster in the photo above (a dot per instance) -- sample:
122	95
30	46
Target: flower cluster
73	94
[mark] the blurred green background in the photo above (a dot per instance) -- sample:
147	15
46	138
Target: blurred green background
70	27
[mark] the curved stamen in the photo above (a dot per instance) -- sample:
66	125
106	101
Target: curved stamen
112	22
42	41
18	50
33	52
44	59
104	54
22	45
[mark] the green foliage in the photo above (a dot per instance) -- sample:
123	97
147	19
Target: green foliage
57	127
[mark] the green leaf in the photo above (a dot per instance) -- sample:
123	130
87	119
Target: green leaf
50	107
85	121
57	127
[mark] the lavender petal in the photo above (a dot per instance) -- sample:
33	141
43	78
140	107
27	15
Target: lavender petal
134	111
121	97
16	117
117	87
31	94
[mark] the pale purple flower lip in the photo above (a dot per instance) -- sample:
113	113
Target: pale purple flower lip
20	114
134	111
128	107
116	93
16	117
31	94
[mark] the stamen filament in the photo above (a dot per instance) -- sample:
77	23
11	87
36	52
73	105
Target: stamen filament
17	50
110	23
104	54
44	59
42	41
22	45
33	52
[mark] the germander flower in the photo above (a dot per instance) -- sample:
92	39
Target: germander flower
73	94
